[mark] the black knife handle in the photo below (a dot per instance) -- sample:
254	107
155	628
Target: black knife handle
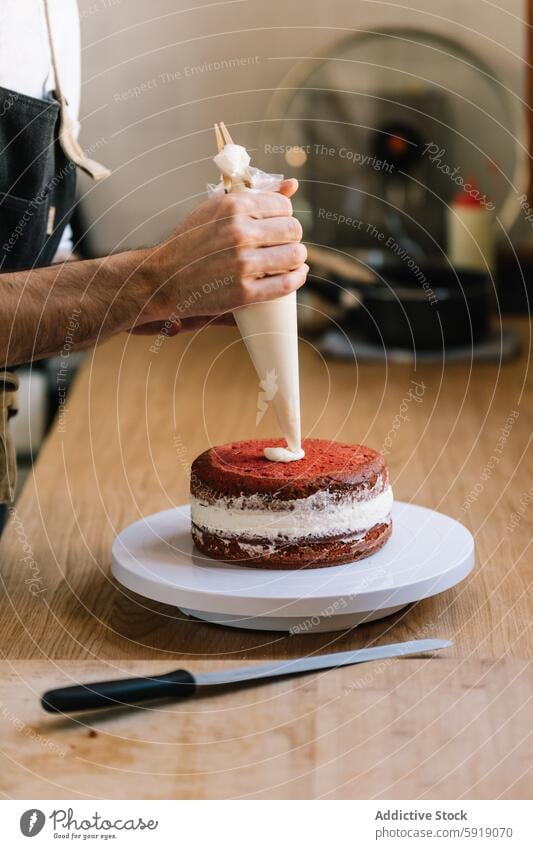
126	691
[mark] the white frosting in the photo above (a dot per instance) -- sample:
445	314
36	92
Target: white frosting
320	514
283	455
233	160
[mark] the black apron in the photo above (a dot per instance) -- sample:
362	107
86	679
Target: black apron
38	160
37	181
37	196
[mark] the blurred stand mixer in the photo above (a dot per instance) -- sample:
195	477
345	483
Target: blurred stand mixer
412	158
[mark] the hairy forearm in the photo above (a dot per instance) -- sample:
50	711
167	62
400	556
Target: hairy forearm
232	250
76	302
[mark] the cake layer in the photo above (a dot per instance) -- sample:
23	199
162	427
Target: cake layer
239	468
304	554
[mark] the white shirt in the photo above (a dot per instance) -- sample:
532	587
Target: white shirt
25	60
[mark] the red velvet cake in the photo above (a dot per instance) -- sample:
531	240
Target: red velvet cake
331	507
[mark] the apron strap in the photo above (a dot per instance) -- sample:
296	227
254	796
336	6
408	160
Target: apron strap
67	139
8	460
9	384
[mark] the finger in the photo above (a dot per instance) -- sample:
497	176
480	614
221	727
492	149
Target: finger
274	231
255	204
289	187
268	288
274	260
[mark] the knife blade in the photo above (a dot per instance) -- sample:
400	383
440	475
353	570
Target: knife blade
321	661
183	684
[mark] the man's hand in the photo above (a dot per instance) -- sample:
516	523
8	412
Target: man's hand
232	250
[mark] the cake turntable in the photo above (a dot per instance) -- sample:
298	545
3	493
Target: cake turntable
427	554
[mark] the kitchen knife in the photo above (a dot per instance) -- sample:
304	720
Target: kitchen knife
182	684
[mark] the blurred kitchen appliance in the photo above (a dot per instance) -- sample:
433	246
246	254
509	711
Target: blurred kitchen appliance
394	306
384	130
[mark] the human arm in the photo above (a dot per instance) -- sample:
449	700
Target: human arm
233	238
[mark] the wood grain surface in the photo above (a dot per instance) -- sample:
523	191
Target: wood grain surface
456	439
430	728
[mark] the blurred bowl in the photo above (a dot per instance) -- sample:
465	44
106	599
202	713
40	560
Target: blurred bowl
424	306
449	309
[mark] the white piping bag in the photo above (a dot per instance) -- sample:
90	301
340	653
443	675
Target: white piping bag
269	329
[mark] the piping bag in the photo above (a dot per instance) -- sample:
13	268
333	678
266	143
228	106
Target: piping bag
269	328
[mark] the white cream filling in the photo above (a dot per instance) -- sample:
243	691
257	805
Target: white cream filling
318	515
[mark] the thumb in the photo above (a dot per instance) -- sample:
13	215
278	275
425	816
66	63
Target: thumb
288	187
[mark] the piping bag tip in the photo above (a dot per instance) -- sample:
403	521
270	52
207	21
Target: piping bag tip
284	455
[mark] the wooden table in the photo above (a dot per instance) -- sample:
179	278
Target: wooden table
457	440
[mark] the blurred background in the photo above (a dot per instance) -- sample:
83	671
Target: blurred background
405	122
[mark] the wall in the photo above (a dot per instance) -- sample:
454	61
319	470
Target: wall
150	97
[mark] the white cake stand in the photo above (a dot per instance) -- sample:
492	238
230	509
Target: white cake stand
426	554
